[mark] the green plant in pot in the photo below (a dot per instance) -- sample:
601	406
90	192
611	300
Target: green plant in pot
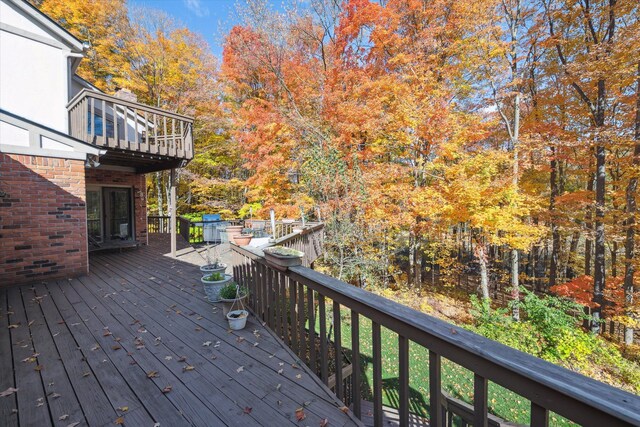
230	294
281	258
212	284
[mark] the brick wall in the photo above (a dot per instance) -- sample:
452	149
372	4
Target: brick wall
43	231
137	182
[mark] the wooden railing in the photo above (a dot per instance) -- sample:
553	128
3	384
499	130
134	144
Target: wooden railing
294	304
111	122
158	224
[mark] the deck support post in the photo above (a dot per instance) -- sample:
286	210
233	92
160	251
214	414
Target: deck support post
172	207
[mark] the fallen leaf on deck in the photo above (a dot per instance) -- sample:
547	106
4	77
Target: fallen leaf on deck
199	318
107	333
307	403
54	395
168	358
344	409
255	344
247	409
38	368
14	326
187	368
299	376
182	359
63	417
152	374
86	374
95	347
119	421
281	363
206	343
198	329
294	366
73	424
240	339
31	322
29	359
272	356
240	369
156	425
116	347
123	409
279	402
280	371
300	415
278	387
324	422
167	389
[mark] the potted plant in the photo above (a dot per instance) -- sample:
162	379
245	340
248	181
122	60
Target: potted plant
282	258
232	294
212	284
243	239
213	266
237	319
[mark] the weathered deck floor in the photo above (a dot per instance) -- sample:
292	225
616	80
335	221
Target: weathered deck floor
135	342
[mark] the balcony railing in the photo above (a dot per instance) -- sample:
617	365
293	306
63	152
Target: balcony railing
295	304
111	122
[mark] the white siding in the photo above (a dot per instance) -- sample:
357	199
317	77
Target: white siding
33	80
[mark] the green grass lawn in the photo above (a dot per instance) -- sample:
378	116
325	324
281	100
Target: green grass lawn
456	380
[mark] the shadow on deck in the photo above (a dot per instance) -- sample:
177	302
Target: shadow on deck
134	342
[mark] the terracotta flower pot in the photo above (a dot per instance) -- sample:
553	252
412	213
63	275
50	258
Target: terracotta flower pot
233	231
242	239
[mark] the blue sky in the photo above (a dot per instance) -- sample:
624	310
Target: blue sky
211	18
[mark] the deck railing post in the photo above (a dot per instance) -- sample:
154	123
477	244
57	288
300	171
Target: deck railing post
173	213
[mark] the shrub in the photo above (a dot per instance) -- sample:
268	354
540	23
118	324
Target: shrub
228	291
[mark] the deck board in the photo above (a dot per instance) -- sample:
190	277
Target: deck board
87	331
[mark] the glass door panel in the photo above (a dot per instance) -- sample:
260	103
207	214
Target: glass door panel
94	215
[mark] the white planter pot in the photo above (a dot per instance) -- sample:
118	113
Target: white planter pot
209	268
212	288
237	319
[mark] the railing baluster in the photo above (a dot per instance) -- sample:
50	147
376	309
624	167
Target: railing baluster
92	121
145	147
254	284
173	150
293	295
180	152
337	342
403	377
284	331
539	416
277	324
322	318
377	374
301	323
435	390
355	362
273	285
163	146
105	139
313	363
116	133
480	390
125	123
268	281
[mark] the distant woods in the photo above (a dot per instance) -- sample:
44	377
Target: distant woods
494	138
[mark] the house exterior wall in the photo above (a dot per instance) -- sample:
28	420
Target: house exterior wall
138	184
34	75
43	231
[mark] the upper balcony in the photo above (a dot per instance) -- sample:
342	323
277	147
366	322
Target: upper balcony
135	135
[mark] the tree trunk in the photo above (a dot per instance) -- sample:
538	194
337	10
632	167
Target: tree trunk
629	248
599	272
159	193
555	232
588	242
573	250
481	255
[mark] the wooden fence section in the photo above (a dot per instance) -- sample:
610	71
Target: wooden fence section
295	304
111	122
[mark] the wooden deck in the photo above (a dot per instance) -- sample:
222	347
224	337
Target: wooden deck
135	343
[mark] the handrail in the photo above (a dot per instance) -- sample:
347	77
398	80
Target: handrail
104	97
548	387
